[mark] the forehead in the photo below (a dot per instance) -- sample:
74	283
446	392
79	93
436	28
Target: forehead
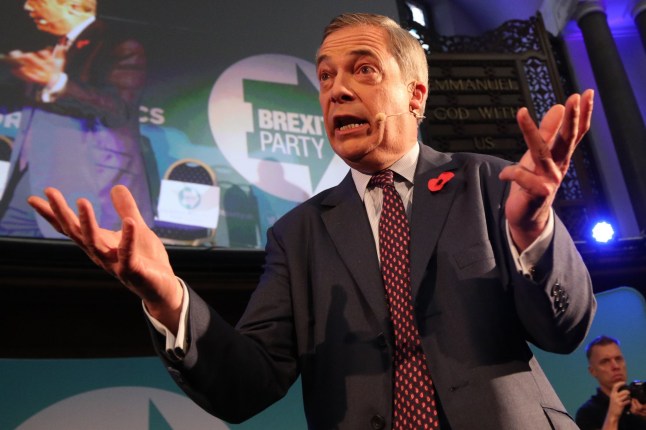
47	3
604	351
354	40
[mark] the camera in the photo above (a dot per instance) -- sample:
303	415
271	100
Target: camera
637	390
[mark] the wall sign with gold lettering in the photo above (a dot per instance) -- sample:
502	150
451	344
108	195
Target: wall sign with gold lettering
473	103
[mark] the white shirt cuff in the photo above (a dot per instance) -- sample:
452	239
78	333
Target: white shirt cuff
526	260
175	346
50	92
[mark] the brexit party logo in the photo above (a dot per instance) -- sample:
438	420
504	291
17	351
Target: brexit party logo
266	119
189	198
135	408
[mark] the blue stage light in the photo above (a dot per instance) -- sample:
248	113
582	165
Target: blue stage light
603	232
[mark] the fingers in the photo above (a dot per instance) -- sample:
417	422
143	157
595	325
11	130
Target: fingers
568	136
40	67
126	246
65	216
93	245
577	122
537	140
33	58
637	408
569	132
617	385
528	181
125	204
42	207
620	393
126	253
552	144
114	251
587	105
82	229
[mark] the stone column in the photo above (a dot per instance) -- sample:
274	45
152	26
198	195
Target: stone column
619	102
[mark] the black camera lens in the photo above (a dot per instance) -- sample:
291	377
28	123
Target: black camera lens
638	391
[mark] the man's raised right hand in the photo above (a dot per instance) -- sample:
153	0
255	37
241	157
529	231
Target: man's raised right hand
134	255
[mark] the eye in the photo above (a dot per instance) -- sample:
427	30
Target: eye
366	69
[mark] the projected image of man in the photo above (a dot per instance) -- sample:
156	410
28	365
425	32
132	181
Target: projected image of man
79	126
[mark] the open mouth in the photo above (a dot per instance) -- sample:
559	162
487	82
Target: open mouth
348	122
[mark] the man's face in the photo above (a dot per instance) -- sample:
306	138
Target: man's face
359	78
607	365
50	16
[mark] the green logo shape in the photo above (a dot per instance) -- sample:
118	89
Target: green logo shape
189	198
156	420
288	125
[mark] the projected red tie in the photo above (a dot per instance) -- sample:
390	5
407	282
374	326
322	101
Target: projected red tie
413	395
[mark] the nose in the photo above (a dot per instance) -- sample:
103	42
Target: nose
341	92
28	7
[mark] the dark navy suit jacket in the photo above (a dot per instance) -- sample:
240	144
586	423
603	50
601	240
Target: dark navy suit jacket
320	312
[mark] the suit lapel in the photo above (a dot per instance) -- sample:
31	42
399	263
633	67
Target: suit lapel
85	45
430	209
347	223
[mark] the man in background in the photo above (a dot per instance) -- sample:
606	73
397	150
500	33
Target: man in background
612	407
79	128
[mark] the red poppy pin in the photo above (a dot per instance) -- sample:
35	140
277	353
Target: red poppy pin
82	43
436	184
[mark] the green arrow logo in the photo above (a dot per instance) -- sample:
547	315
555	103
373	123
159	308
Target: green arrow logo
288	125
156	420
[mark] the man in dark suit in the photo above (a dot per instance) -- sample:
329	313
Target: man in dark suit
490	268
79	130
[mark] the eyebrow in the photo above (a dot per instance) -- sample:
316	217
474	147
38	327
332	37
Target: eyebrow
356	53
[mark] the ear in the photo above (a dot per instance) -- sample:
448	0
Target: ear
418	95
592	371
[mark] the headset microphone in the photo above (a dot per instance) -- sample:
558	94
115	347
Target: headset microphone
381	116
380	119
